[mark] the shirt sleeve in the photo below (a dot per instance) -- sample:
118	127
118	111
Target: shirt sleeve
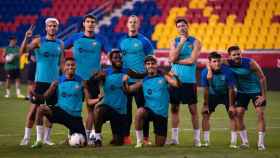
69	42
148	47
203	78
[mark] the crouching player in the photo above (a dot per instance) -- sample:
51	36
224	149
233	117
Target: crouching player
218	82
155	89
70	91
113	107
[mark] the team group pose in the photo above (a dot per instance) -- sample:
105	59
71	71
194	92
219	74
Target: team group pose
108	92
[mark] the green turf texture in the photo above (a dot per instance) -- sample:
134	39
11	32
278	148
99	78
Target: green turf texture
12	120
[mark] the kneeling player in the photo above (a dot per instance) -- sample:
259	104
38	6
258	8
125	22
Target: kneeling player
218	82
155	89
114	104
70	90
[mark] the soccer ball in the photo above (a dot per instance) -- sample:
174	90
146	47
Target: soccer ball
77	140
9	58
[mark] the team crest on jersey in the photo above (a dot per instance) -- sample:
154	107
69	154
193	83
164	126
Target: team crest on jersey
191	46
149	91
160	81
94	43
77	86
136	45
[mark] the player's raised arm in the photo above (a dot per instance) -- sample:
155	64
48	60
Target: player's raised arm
130	88
262	79
195	54
51	90
175	50
35	43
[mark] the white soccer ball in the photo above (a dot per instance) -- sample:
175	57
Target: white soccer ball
77	140
9	58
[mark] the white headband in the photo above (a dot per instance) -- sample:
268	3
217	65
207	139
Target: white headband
51	19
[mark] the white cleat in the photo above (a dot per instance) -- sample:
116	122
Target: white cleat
197	143
24	142
48	142
244	146
261	147
233	146
7	96
171	142
20	96
206	144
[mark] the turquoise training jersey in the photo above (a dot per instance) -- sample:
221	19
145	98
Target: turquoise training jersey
48	60
186	73
70	95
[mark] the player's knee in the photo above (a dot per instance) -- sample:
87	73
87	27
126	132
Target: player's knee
174	109
140	111
261	115
205	116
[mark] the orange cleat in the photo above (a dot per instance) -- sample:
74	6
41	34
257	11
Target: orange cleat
127	140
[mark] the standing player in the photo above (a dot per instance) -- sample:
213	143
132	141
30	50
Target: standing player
135	47
87	49
184	51
70	90
11	54
251	85
219	89
155	89
48	51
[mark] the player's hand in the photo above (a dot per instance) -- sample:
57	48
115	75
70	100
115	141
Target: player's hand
183	39
29	32
125	78
205	109
260	100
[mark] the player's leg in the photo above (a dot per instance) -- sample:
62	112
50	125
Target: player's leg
241	107
261	124
127	139
175	120
140	102
75	125
101	115
160	129
17	80
8	84
118	131
233	124
30	118
206	128
94	91
43	110
139	122
195	124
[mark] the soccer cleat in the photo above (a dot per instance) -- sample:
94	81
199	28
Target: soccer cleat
205	144
97	143
138	145
171	142
20	96
233	146
48	142
244	146
146	141
24	142
37	144
197	143
261	147
127	140
91	140
7	96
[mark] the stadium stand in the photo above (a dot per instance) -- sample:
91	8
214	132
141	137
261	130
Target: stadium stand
252	24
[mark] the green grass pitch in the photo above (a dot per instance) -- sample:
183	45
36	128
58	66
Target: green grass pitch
12	119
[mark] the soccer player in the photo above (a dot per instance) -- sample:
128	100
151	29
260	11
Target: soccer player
251	85
218	89
70	89
155	89
184	51
48	51
135	47
113	107
87	49
11	54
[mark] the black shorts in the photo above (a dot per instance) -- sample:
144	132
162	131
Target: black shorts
215	100
31	69
138	95
13	74
74	124
116	119
186	94
160	122
93	88
243	99
41	88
